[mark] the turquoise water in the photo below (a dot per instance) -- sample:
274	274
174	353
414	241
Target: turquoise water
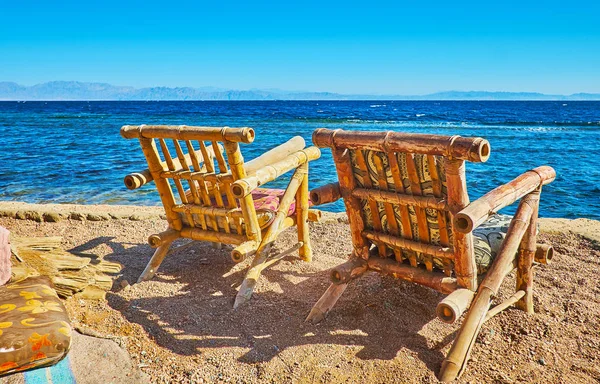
71	152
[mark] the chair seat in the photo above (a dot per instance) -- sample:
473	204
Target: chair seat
487	239
266	203
34	326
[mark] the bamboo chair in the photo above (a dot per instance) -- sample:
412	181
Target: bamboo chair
219	204
410	217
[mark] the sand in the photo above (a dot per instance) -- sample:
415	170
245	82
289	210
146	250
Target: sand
180	326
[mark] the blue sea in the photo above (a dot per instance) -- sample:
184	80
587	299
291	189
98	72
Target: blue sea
71	152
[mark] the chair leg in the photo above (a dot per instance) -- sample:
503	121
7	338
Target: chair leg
302	218
457	357
326	302
155	261
261	262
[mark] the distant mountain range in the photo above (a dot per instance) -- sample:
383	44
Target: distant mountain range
75	90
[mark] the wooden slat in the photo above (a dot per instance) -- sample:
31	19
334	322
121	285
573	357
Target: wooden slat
208	160
415	188
389	208
171	167
220	158
392	241
197	168
362	165
384	196
432	162
404	214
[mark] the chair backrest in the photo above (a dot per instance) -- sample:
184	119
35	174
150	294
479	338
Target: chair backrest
193	169
401	191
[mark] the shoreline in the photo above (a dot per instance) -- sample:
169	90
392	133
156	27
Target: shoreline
586	228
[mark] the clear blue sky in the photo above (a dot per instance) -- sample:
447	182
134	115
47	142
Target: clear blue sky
398	47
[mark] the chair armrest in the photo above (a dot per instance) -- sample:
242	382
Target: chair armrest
479	210
274	155
270	172
324	194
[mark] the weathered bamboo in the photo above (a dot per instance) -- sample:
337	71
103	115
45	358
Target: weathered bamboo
236	164
458	355
162	185
392	224
353	205
479	210
186	132
243	187
456	147
324	194
435	280
302	216
314	215
405	225
243	251
543	254
503	305
458	198
349	270
274	155
454	305
368	183
401	243
397	198
158	239
526	254
212	236
260	259
137	179
325	303
155	261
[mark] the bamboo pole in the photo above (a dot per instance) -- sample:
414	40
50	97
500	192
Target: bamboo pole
243	187
435	280
349	270
158	239
401	243
458	198
135	180
525	257
324	194
315	215
260	259
456	147
274	155
325	303
302	216
243	251
162	185
236	164
347	183
155	261
392	224
185	132
454	305
458	355
406	228
479	210
383	196
543	254
212	236
368	183
503	305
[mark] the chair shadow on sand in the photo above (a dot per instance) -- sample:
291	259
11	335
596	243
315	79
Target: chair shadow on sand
381	314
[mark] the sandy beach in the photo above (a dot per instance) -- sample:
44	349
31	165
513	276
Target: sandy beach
180	326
